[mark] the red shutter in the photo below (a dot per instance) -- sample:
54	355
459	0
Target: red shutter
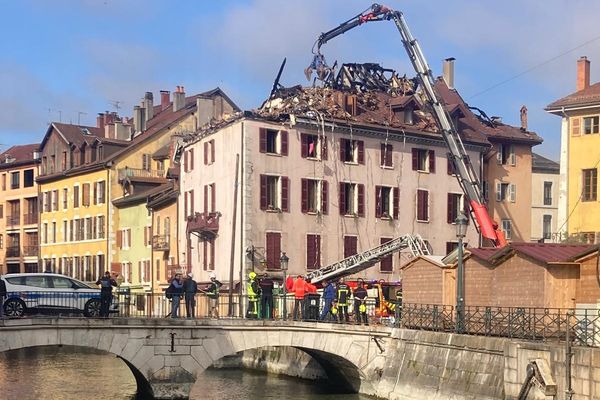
378	211
304	205
205	255
361	200
212	254
205	153
284	143
382	155
273	249
386	264
324	155
342	150
324	197
304	145
191	202
186	163
119	237
213	197
95	194
128	237
313	250
342	198
192	159
450	205
212	151
186	210
431	161
145	236
350	247
263	192
115	268
415	159
396	202
285	194
361	152
205	199
262	133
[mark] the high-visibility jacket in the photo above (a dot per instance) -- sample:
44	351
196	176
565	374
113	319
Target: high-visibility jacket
343	294
252	289
299	288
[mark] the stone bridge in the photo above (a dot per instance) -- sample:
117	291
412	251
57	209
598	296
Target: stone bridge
166	356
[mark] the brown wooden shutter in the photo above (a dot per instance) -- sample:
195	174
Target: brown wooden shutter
186	163
342	198
313	250
304	145
382	155
129	237
415	159
324	197
212	151
116	268
205	255
145	236
361	151
192	202
284	143
575	126
139	271
262	133
205	199
361	200
263	192
343	150
212	254
324	155
95	193
192	159
350	246
273	249
450	165
304	189
396	202
103	190
285	194
205	153
450	207
86	194
389	156
119	238
386	263
129	272
213	197
378	211
186	209
431	161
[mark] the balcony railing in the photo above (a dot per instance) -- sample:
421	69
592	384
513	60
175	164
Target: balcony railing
13	220
140	173
31	219
176	269
160	242
31	250
13	251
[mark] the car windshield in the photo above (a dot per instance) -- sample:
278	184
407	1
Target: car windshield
80	285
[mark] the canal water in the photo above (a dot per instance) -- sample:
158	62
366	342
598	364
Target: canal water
63	373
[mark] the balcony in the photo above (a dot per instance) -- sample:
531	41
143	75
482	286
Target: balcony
13	251
204	225
13	220
160	242
30	251
30	219
125	173
175	269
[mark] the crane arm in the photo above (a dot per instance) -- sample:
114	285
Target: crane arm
466	174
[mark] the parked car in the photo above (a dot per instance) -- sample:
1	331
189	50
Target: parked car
46	292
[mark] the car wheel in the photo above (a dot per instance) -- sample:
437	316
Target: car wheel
92	308
14	308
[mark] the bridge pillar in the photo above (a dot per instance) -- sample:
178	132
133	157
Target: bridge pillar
171	383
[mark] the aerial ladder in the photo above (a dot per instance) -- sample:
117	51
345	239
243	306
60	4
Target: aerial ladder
465	172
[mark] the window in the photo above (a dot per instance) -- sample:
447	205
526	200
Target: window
15	178
404	115
99	192
273	250
386	155
423	160
209	152
85	201
590	185
100	227
188	207
63	161
588	237
1	211
124	238
53	237
352	151
350	246
272	141
386	202
55	200
274	193
313	146
76	196
210	198
451	246
506	192
188	160
208	260
506	154
3	182
422	205
352	199
45	233
547	193
507	228
455	206
65	231
547	227
451	168
313	251
28	178
65	198
146	162
387	263
590	125
314	196
52	163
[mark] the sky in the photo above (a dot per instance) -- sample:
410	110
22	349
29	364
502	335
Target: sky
67	60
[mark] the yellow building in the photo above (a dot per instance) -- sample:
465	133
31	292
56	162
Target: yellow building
578	201
18	209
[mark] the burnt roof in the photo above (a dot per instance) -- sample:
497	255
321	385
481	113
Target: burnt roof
585	97
18	155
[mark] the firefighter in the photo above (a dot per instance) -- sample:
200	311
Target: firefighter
360	303
343	297
253	292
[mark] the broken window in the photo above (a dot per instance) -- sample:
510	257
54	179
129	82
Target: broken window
506	154
273	141
506	192
386	155
274	193
314	196
313	146
386	202
590	185
352	151
507	228
455	206
423	160
352	199
591	125
28	178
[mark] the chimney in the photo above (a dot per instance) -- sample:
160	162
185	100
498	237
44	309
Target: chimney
100	121
139	121
178	99
149	105
523	118
165	99
583	73
449	72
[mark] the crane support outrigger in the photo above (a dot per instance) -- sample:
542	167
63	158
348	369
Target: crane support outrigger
465	172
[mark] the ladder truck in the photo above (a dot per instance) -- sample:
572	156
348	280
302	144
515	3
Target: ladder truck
467	178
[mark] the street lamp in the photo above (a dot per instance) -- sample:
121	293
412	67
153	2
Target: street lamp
461	230
283	260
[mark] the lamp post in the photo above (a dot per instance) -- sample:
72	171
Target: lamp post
461	230
284	259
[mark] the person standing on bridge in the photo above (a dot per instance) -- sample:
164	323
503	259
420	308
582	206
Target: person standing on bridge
212	291
328	297
360	303
176	289
266	296
299	290
253	292
343	297
106	284
190	288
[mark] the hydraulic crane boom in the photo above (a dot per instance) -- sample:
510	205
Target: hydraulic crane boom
466	175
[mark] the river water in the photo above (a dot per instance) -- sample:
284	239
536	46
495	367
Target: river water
63	373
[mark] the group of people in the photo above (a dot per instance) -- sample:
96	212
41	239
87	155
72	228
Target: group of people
337	297
188	288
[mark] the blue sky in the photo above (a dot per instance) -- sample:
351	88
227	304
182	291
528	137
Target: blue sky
64	58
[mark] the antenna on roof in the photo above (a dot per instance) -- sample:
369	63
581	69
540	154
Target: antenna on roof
116	104
79	114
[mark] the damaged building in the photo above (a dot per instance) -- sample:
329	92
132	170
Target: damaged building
322	173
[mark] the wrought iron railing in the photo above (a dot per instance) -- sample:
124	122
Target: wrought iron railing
140	173
13	220
13	251
30	250
30	219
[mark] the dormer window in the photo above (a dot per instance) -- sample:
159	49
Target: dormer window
409	115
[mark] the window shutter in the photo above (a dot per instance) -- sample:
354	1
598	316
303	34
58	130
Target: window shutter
513	192
71	230
431	161
389	153
450	166
212	254
304	205
102	192
378	211
499	154
304	145
386	263
285	192
129	237
396	202
575	126
192	159
205	255
213	197
212	151
205	199
130	267
361	200
262	133
342	198
86	194
498	191
263	192
415	159
145	236
95	196
119	238
361	151
310	249
323	140
450	212
284	143
513	157
192	202
426	205
324	197
342	150
205	153
382	158
186	209
186	163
